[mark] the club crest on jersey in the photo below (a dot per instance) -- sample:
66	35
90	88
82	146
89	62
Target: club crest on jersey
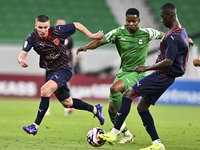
140	41
56	41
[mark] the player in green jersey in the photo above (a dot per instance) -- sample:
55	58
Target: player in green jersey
132	43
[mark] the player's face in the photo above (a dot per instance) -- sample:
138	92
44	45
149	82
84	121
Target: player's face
42	29
132	23
165	18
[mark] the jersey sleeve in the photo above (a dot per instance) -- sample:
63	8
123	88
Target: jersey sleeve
28	44
66	30
110	36
171	47
69	43
154	34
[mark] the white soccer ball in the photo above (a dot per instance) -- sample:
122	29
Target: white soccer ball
93	139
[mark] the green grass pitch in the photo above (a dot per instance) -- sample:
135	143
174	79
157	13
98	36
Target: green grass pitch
177	126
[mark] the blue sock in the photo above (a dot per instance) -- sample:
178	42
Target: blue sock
149	124
123	112
79	104
44	105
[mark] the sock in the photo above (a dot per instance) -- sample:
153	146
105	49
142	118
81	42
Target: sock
36	126
79	104
127	133
113	119
44	105
124	131
116	99
95	110
149	124
114	132
123	112
157	142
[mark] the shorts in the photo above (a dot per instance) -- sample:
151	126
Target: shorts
152	87
61	77
129	78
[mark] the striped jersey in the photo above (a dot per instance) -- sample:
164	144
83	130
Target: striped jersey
52	51
174	45
132	48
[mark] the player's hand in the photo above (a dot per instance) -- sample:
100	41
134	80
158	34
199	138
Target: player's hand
84	49
140	69
97	35
196	62
190	41
23	63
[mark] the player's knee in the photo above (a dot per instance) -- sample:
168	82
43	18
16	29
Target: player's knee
130	93
44	92
67	103
113	89
142	105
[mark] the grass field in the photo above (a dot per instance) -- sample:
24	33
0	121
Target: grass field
177	126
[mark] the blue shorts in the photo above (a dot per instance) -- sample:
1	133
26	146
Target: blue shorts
152	87
61	77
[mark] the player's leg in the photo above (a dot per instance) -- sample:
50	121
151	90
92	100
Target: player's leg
76	103
127	79
47	89
68	111
150	90
115	99
121	116
148	123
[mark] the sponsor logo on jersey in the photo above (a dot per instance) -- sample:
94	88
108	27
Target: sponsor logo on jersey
56	41
140	41
52	56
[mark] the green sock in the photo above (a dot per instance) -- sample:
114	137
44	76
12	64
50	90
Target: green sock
116	99
113	119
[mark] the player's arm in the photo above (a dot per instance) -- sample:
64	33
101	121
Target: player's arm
163	34
167	62
196	62
83	29
70	54
21	59
91	45
190	41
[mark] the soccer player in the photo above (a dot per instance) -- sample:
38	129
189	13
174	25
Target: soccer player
48	42
132	43
69	45
170	64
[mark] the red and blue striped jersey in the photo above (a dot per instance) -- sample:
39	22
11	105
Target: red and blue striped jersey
52	51
174	45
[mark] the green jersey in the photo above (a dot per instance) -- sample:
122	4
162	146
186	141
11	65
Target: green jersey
132	48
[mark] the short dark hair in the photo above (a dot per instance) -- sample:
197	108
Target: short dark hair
169	8
42	18
60	18
133	11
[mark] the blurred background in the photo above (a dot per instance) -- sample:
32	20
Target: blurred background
97	67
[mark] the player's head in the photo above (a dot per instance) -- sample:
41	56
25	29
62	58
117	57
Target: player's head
132	20
60	21
42	24
168	14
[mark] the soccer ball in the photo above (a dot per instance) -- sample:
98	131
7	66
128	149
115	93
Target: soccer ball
93	139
